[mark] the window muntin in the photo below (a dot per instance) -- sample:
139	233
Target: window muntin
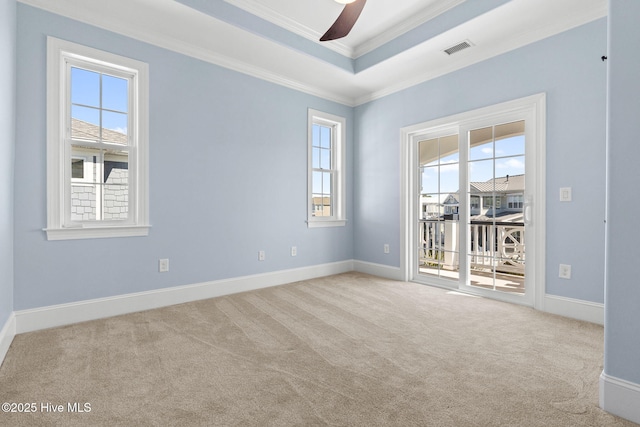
326	169
97	126
322	178
97	143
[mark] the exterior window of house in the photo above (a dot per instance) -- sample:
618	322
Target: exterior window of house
474	202
488	202
515	201
97	183
326	145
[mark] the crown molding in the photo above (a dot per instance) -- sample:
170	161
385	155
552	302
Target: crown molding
387	85
475	56
386	36
185	48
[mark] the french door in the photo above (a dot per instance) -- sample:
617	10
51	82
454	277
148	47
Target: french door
474	195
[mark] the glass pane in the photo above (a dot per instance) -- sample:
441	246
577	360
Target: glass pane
84	164
449	152
85	123
439	185
509	139
116	168
428	238
321	205
513	146
429	152
449	266
315	158
325	137
325	158
77	168
481	143
326	183
83	202
85	87
115	94
510	167
481	176
316	183
116	201
429	180
114	127
482	239
449	177
430	206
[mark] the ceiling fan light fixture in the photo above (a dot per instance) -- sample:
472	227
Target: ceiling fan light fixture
345	21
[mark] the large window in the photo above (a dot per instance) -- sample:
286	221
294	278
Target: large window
326	135
96	144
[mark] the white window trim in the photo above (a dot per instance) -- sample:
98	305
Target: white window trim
59	175
339	185
533	108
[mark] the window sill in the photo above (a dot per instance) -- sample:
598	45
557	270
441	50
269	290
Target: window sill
317	223
97	232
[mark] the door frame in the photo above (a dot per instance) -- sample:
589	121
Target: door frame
533	110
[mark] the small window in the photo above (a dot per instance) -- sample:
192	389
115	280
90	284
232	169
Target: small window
475	202
97	147
515	201
77	168
326	145
488	202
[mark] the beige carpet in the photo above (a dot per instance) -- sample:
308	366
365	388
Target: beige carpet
346	350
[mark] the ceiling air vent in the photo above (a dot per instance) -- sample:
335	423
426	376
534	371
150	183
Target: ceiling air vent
457	48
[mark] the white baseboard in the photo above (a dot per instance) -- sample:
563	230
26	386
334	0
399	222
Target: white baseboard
380	270
65	314
620	397
7	333
574	308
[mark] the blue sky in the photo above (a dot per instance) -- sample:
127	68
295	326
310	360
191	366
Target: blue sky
96	97
509	160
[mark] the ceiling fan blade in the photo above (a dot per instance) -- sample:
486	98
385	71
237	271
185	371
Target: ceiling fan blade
345	21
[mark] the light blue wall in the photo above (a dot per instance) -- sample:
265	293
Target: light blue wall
622	313
7	143
568	68
228	177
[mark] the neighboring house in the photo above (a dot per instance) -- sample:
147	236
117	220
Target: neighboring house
98	177
321	206
501	197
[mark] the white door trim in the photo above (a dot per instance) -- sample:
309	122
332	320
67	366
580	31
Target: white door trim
534	107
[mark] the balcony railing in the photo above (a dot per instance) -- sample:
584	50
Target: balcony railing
498	246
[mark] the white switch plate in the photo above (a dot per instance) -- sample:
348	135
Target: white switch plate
294	251
565	271
386	248
163	265
565	194
261	256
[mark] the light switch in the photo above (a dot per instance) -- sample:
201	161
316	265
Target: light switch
565	194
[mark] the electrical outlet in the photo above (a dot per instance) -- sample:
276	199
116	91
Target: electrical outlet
163	265
387	249
294	251
565	271
261	256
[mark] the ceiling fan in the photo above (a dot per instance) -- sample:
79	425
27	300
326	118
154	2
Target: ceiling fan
345	21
